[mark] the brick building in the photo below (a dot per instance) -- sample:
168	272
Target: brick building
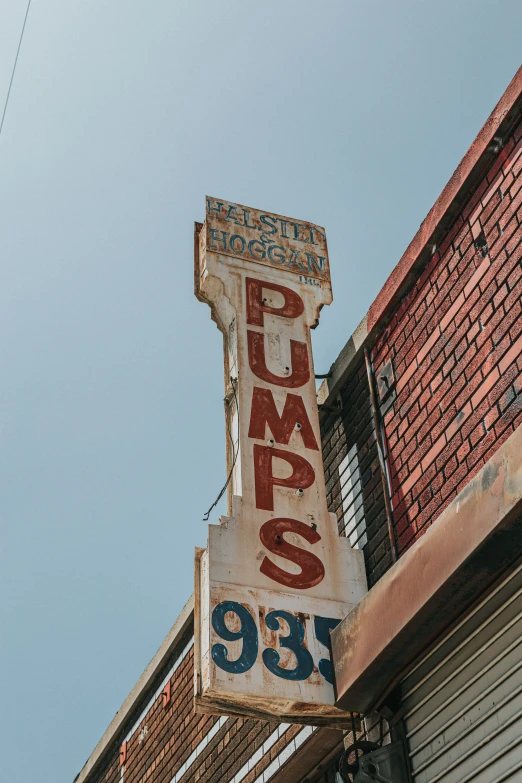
422	450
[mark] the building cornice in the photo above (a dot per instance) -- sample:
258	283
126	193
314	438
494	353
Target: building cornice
487	145
466	549
124	714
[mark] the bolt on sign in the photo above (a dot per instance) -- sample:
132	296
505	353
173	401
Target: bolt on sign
275	577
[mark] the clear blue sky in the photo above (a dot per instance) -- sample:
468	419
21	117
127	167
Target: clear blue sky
122	117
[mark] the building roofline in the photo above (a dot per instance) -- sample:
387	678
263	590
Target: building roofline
117	724
472	166
441	215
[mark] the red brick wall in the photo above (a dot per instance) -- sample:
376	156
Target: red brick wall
159	738
455	342
455	345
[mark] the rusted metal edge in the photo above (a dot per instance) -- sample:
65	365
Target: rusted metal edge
267	708
117	725
272	709
197	232
465	550
199	552
478	157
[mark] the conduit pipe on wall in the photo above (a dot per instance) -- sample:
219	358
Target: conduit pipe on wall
380	451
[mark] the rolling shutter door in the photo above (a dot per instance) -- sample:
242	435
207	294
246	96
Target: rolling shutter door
463	701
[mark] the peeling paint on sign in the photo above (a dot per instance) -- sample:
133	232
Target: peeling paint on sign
275	577
264	238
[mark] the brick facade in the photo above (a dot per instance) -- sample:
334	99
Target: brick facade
448	338
163	740
455	343
453	346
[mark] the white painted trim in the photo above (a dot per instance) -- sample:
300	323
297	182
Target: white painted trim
255	758
179	660
260	752
176	633
199	749
283	757
354	522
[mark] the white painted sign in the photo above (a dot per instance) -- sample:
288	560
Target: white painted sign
275	577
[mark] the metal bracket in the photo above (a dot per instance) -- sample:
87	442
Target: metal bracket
336	408
386	765
386	387
330	409
481	244
374	764
166	694
385	381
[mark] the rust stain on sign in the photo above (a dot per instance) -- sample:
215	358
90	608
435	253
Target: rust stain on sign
275	578
265	238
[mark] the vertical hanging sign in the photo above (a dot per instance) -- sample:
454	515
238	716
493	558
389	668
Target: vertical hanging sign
275	577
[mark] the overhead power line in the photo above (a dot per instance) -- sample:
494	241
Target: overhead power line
14	66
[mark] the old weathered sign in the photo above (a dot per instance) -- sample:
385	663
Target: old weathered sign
275	577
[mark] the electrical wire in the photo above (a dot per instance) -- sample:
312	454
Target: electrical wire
14	66
234	457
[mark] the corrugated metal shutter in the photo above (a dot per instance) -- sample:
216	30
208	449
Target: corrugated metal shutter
463	701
